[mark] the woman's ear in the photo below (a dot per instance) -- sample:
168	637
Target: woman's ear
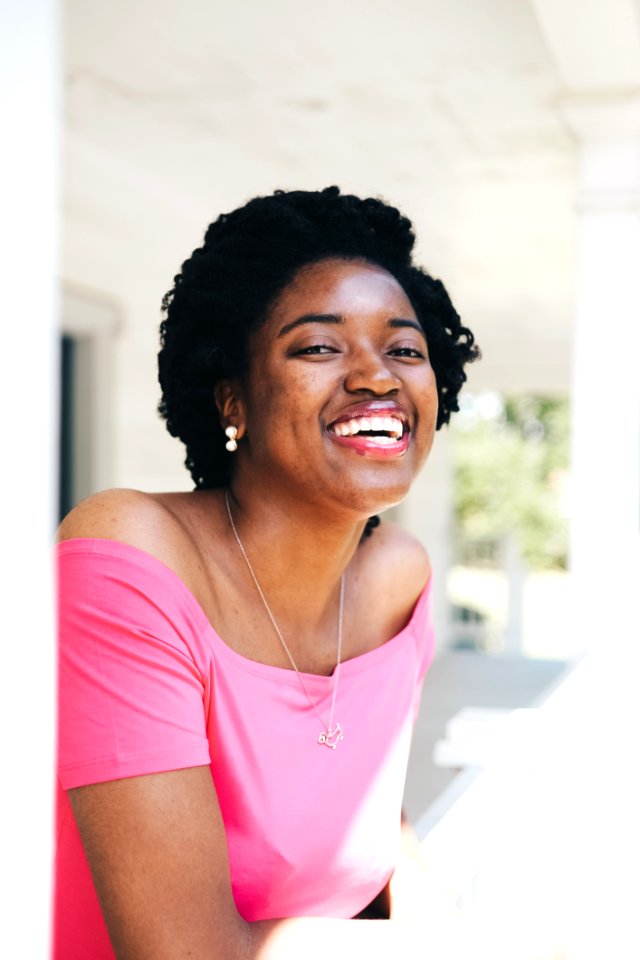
230	406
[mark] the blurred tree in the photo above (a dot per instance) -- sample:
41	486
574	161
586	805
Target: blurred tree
511	461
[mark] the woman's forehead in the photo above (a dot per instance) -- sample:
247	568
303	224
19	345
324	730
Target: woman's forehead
342	286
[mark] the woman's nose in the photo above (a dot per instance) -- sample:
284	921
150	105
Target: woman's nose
369	371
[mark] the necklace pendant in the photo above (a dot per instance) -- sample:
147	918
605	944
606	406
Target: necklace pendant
332	737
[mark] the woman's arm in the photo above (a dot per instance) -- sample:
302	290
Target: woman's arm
157	852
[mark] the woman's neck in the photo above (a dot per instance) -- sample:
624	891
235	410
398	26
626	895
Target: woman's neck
297	554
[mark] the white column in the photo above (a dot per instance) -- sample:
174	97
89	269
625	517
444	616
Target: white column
428	514
605	533
516	571
28	235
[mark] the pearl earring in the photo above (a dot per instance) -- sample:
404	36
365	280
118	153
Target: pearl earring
231	444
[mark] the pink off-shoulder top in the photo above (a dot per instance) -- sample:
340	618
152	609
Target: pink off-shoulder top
146	686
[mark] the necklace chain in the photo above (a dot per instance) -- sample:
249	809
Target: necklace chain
331	735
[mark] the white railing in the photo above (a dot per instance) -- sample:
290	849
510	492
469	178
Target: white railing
537	854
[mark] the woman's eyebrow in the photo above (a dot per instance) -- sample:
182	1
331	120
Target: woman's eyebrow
400	322
311	318
336	318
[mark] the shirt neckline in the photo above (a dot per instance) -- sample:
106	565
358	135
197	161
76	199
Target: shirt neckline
108	547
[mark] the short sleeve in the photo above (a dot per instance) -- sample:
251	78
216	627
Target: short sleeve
131	695
422	624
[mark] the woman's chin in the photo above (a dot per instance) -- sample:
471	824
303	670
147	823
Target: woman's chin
366	501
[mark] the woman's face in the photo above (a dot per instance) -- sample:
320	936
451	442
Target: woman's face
340	399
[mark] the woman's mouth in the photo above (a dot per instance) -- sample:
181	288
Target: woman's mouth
376	436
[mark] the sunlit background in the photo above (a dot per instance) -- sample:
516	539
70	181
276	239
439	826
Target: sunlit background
509	131
174	113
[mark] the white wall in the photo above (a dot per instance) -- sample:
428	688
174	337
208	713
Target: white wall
28	241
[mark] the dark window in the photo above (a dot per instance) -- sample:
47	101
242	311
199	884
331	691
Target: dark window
68	380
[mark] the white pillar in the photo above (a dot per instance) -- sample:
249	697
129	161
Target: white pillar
515	568
28	235
428	514
605	532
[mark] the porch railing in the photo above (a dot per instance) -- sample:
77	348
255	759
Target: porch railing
536	856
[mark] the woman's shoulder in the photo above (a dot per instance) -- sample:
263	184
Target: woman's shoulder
394	570
131	517
394	551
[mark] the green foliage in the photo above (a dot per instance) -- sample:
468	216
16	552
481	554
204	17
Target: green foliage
509	470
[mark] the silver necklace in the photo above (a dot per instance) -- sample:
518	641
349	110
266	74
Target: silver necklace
332	734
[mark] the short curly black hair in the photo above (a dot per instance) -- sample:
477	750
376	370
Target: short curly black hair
227	285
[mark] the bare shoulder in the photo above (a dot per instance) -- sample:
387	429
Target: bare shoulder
393	570
395	551
129	516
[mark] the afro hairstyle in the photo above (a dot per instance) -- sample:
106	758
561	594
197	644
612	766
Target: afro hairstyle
226	287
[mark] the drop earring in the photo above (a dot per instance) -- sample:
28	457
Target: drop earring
232	433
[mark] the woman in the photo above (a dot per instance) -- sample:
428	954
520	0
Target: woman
240	797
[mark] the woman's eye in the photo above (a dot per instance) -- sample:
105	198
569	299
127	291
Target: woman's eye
314	349
411	352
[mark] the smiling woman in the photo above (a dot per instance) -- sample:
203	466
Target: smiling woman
240	666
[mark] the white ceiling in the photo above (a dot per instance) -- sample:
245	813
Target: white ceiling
175	112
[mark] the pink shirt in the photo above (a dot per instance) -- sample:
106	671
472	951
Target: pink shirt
146	685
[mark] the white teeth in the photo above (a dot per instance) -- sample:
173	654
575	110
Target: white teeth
366	424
